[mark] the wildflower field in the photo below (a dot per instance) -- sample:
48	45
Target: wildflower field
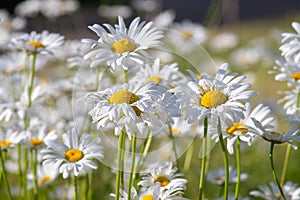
139	106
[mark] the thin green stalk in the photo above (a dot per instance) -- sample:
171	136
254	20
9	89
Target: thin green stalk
203	162
288	149
6	183
32	75
120	164
34	170
20	171
133	146
173	145
90	186
188	157
225	157
75	188
238	163
274	172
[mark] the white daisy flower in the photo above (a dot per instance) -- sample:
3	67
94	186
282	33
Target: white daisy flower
123	47
56	8
9	138
187	36
75	154
289	100
286	70
277	137
125	105
113	11
163	75
291	43
222	96
218	176
270	191
224	42
164	19
165	175
34	42
39	137
239	129
46	175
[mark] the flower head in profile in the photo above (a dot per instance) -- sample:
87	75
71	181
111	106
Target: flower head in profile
165	175
122	47
9	138
74	155
239	130
220	96
46	175
289	100
42	43
270	191
277	137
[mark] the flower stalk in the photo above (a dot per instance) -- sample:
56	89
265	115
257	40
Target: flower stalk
203	162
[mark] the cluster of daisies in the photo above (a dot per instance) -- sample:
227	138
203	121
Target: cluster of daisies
145	108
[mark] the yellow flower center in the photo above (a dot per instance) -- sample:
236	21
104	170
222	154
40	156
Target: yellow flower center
5	143
162	180
73	155
219	178
213	99
123	96
45	180
237	127
175	131
36	142
156	79
122	46
296	76
199	76
148	197
36	44
186	34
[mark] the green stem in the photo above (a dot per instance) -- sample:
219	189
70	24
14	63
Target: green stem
238	162
285	164
75	188
203	162
188	157
90	186
32	75
133	145
274	172
173	145
6	183
34	170
20	172
120	163
225	158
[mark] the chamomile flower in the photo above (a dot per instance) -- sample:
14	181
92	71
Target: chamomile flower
218	176
164	19
74	155
46	175
289	100
239	130
122	47
221	96
42	43
165	175
124	105
187	35
224	42
287	70
277	137
270	191
291	43
9	138
39	137
163	75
